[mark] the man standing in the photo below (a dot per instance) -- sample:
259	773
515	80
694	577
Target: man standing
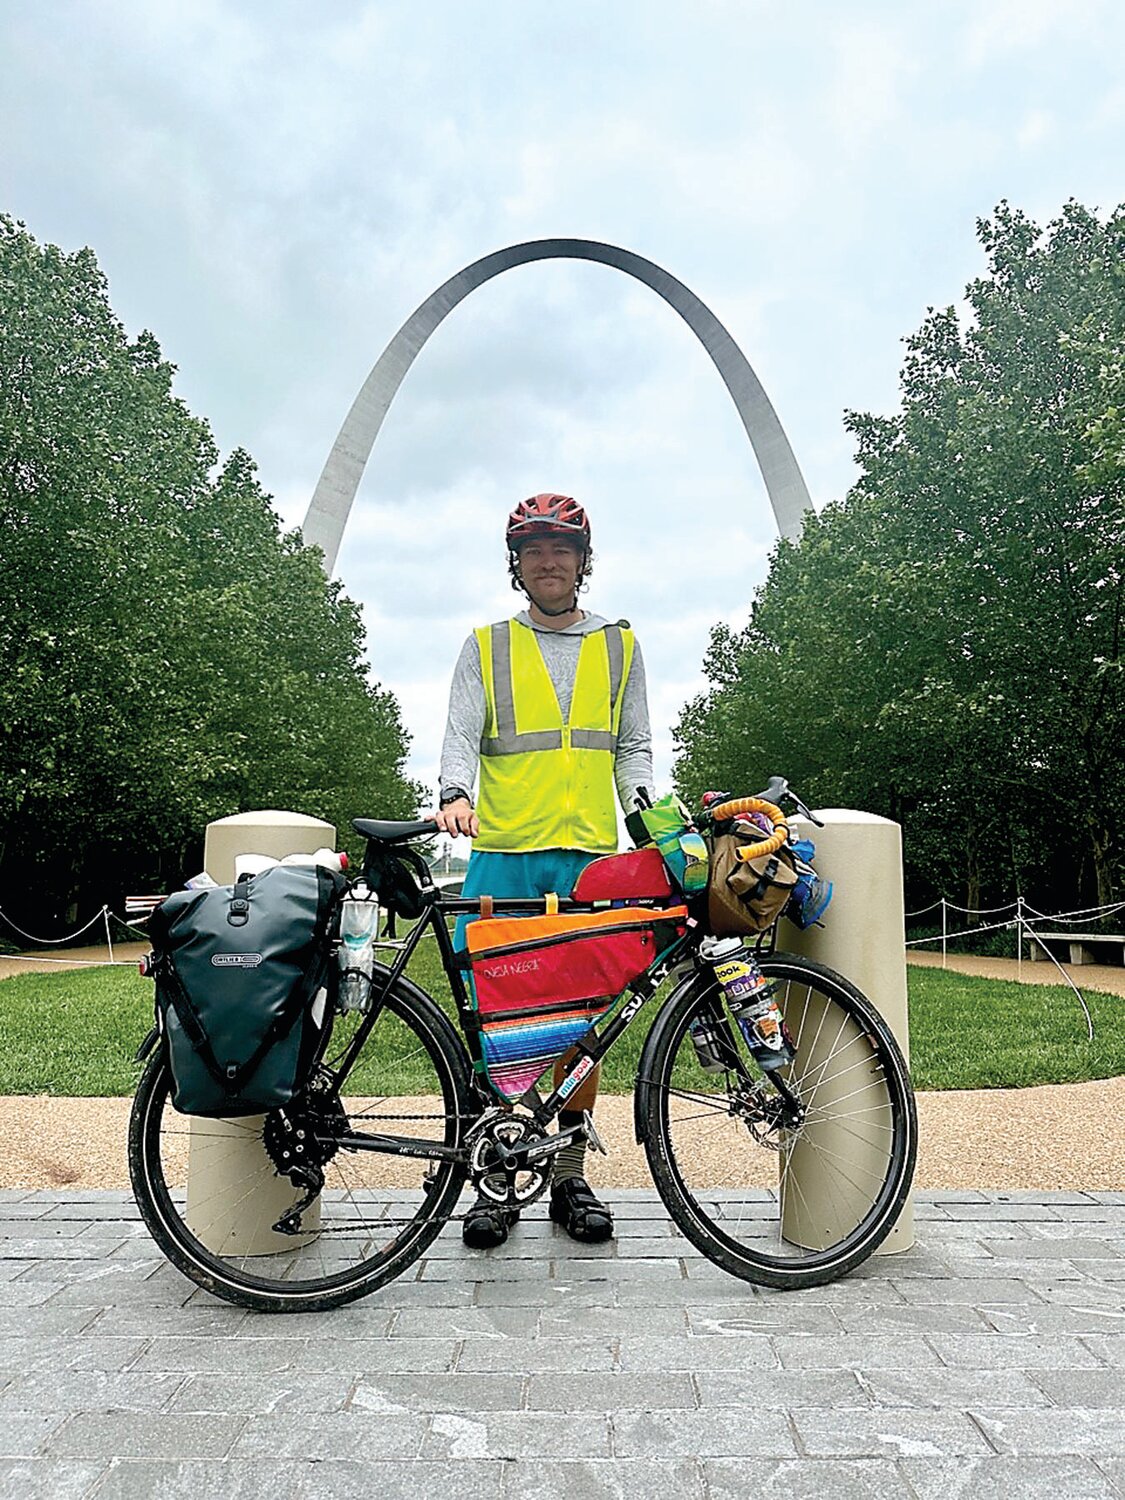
550	708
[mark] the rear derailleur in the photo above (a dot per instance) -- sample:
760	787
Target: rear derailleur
300	1138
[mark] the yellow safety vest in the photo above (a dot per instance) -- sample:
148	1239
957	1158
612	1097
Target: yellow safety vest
545	784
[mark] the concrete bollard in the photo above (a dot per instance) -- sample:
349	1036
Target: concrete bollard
234	1195
864	939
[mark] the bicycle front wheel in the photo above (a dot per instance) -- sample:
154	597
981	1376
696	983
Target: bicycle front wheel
788	1184
212	1197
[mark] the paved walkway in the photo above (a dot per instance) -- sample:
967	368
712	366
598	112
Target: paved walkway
1109	978
44	961
988	1361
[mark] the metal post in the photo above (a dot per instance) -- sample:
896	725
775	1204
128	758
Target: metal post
1019	937
108	938
944	930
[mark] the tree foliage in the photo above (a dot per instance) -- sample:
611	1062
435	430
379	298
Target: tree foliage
167	656
945	645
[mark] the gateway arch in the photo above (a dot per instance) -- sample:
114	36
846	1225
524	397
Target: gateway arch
336	489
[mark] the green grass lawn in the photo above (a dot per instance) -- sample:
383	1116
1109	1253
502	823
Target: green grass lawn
76	1032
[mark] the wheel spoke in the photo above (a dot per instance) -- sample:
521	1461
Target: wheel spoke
837	1175
372	1215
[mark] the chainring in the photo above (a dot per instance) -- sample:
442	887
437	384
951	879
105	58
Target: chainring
495	1133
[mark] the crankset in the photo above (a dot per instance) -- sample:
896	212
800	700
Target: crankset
510	1156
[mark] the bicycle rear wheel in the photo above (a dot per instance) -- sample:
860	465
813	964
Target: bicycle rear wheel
376	1212
791	1201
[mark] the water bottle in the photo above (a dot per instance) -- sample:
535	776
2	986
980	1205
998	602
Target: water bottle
750	998
713	1050
329	859
359	927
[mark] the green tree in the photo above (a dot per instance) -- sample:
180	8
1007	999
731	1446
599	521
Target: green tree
944	646
167	656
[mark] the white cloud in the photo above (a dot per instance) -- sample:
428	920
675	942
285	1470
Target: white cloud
273	189
872	69
1037	127
999	28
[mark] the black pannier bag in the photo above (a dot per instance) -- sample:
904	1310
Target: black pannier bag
243	987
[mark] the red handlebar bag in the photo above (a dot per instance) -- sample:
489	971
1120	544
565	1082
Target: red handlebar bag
541	981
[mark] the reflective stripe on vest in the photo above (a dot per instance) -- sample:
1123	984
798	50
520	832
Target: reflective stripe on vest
546	784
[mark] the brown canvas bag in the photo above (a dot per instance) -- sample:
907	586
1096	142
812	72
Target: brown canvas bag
744	898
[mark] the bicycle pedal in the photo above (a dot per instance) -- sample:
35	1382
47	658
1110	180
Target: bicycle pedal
592	1135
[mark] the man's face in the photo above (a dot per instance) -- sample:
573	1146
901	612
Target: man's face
548	569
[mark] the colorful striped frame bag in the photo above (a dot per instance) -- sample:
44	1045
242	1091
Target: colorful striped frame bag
541	981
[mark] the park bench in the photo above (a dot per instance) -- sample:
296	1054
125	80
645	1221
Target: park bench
1080	946
141	907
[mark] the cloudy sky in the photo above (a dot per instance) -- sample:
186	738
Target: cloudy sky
271	188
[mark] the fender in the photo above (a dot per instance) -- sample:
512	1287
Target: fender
698	980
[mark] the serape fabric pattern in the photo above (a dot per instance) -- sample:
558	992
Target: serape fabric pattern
541	981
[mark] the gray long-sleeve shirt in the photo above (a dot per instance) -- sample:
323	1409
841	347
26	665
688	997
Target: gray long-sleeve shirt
460	751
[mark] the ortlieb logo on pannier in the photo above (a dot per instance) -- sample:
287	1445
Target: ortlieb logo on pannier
540	982
242	976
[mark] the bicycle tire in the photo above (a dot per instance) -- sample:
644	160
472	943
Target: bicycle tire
279	1279
720	1195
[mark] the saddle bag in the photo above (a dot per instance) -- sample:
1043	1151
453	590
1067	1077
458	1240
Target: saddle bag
540	982
243	977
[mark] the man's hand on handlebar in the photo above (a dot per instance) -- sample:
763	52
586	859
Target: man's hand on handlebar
457	818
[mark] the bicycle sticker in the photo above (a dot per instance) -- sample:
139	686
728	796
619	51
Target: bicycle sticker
582	1067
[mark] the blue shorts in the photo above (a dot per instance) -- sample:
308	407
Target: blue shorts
536	873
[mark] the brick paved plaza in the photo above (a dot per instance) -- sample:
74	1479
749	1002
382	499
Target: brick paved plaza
989	1360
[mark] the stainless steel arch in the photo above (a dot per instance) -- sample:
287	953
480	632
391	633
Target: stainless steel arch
336	489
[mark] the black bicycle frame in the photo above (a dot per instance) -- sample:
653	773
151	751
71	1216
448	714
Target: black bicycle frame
586	1053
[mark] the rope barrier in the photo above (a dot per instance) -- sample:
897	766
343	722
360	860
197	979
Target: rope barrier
70	963
1086	914
941	937
980	911
1022	925
137	926
922	910
1070	982
54	942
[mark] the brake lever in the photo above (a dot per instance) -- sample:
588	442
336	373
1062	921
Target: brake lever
806	812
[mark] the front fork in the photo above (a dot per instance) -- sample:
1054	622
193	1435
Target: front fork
751	1080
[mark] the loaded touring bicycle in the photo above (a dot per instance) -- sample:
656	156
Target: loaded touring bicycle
313	1160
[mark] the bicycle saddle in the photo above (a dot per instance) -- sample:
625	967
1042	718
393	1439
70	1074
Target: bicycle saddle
393	833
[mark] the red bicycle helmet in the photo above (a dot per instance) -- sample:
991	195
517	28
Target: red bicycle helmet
548	515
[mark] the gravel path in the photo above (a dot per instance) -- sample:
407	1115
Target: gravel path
1048	1138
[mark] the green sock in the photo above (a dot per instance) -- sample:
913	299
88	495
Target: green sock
571	1160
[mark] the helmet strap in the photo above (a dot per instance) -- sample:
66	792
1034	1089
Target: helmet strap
552	613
